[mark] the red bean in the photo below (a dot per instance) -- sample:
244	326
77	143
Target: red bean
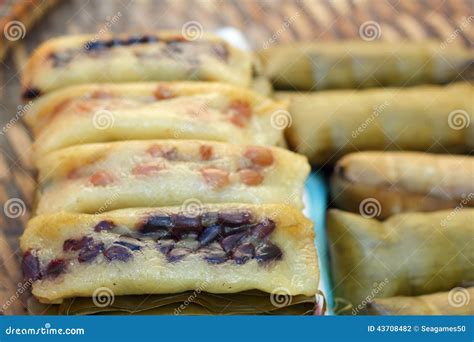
101	178
162	93
260	156
215	177
148	169
206	152
169	152
250	177
240	113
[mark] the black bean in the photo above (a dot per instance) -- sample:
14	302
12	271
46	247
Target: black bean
267	251
76	244
94	45
31	93
164	246
243	253
148	39
215	256
263	229
90	252
113	42
131	41
228	243
55	268
157	224
117	252
177	254
235	218
183	224
209	234
30	266
209	218
104	225
129	245
226	231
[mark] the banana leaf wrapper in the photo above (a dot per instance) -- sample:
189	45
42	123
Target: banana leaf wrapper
327	125
407	255
185	303
455	302
403	181
359	64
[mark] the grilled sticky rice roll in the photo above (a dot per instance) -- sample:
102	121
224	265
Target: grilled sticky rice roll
327	125
403	181
176	110
223	249
161	56
98	177
454	302
359	64
406	255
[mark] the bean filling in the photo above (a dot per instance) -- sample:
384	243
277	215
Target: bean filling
172	47
217	237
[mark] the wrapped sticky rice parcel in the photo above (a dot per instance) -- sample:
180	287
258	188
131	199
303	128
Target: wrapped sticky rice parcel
408	254
361	64
453	302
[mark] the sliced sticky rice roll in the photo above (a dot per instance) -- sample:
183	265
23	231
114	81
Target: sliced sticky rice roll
162	56
100	177
231	247
176	110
